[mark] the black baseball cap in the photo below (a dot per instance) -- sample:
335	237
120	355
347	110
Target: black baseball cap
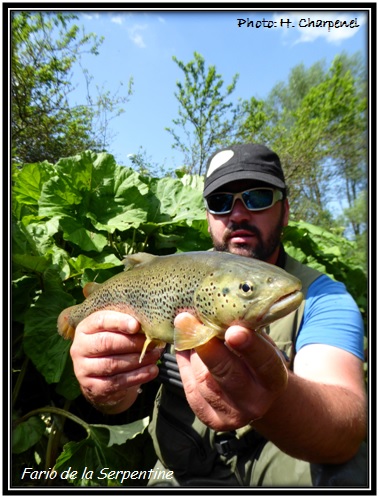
243	162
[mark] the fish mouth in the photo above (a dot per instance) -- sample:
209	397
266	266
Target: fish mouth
283	306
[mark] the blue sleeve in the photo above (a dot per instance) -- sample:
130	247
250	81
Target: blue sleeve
331	317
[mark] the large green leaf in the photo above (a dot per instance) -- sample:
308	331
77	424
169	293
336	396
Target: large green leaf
29	182
86	240
42	343
24	288
194	181
118	434
103	451
80	263
41	230
176	202
27	434
68	385
93	190
23	242
329	253
35	248
31	263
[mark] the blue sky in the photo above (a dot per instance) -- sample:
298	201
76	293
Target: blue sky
140	44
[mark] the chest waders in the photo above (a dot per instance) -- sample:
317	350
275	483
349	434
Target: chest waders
202	457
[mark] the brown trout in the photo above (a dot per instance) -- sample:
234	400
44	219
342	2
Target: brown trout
219	289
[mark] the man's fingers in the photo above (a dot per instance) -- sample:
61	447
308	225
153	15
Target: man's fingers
111	321
260	354
110	365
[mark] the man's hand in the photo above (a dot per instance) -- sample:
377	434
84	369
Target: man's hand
105	354
231	384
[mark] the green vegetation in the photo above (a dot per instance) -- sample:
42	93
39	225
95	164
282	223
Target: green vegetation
72	222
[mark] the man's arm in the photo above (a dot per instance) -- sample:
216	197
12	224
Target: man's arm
319	415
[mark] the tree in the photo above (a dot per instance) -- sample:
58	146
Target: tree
329	134
46	49
206	117
275	122
349	142
252	121
357	216
317	123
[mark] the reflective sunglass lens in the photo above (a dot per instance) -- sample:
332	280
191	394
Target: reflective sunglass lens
257	199
220	203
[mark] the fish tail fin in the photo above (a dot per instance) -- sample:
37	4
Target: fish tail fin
189	333
65	329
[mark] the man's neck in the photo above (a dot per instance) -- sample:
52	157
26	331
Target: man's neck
281	259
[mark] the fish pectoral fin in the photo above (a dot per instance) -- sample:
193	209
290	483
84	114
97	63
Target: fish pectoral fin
139	258
89	288
146	343
189	333
143	352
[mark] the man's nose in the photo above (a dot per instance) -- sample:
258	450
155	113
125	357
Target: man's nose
239	212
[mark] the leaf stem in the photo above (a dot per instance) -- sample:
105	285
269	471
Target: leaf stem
145	243
54	437
19	380
57	411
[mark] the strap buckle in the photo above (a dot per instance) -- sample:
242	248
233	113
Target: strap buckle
227	444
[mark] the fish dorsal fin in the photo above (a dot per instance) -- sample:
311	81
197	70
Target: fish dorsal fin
137	259
90	287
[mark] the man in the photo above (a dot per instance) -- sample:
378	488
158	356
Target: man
231	424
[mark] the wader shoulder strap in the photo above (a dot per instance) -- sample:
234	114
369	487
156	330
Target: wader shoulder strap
285	330
306	274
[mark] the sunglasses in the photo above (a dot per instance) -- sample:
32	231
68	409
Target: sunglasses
255	199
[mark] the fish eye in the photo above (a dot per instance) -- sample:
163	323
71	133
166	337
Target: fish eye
246	287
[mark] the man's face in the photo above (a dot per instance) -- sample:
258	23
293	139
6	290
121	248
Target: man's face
249	233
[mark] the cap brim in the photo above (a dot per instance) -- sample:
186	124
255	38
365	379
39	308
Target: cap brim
243	175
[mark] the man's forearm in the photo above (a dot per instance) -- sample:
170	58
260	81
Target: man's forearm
315	422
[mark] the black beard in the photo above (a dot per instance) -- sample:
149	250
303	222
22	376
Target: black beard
263	250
